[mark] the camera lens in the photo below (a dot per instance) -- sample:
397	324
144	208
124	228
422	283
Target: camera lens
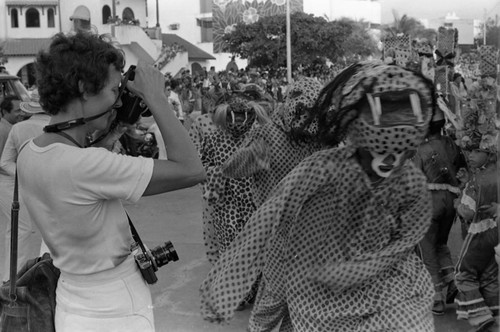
164	254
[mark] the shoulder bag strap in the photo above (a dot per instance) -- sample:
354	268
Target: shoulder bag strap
14	220
14	216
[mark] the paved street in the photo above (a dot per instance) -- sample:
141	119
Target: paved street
176	217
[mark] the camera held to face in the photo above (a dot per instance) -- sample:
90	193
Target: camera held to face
149	261
132	106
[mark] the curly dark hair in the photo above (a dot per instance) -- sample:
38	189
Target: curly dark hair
7	104
82	57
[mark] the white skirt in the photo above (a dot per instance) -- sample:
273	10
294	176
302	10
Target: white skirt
114	300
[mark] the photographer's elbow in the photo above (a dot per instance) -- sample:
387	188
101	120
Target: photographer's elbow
199	175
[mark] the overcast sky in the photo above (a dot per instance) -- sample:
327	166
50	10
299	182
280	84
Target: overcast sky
438	8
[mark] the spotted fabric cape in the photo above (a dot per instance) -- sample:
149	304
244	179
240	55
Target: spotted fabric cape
338	249
202	127
267	155
230	199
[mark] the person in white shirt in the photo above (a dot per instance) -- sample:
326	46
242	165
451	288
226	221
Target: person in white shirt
77	188
29	239
175	90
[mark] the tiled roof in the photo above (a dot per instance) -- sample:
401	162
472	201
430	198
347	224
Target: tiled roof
31	46
25	46
194	52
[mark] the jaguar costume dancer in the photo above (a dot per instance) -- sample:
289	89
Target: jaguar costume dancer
335	242
272	150
230	199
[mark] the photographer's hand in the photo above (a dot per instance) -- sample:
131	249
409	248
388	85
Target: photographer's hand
148	82
183	167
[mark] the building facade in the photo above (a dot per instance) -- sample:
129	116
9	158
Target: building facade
468	29
27	26
203	22
191	20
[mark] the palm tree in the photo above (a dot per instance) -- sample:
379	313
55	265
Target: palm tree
405	25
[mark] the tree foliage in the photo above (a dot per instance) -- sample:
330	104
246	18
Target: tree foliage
492	33
313	40
408	26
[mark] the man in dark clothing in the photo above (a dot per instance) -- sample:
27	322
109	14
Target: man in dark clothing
440	159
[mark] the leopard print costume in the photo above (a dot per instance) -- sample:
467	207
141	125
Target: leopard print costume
269	152
201	127
335	250
349	273
230	199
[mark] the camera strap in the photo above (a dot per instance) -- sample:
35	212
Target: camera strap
56	127
135	235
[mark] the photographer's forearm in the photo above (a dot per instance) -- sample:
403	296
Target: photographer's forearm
183	167
175	136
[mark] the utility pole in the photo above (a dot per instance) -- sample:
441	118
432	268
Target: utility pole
288	44
157	15
484	28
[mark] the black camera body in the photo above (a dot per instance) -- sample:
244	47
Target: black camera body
149	261
132	106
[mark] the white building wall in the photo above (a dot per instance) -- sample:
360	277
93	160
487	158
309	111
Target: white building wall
181	12
125	33
68	7
468	29
180	61
39	32
184	13
3	20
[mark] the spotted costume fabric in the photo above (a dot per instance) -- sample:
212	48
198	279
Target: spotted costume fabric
230	199
267	156
335	252
201	127
269	153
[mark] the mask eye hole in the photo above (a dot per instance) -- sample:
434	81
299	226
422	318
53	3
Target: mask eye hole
295	93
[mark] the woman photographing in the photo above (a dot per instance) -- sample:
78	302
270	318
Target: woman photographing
76	189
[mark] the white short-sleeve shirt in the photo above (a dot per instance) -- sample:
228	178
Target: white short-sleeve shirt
76	202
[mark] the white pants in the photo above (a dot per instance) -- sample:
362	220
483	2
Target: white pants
115	300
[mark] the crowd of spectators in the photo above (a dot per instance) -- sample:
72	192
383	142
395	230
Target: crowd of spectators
190	91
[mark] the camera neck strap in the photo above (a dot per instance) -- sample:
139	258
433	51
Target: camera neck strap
60	126
135	235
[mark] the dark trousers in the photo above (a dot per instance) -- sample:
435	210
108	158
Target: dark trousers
434	249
